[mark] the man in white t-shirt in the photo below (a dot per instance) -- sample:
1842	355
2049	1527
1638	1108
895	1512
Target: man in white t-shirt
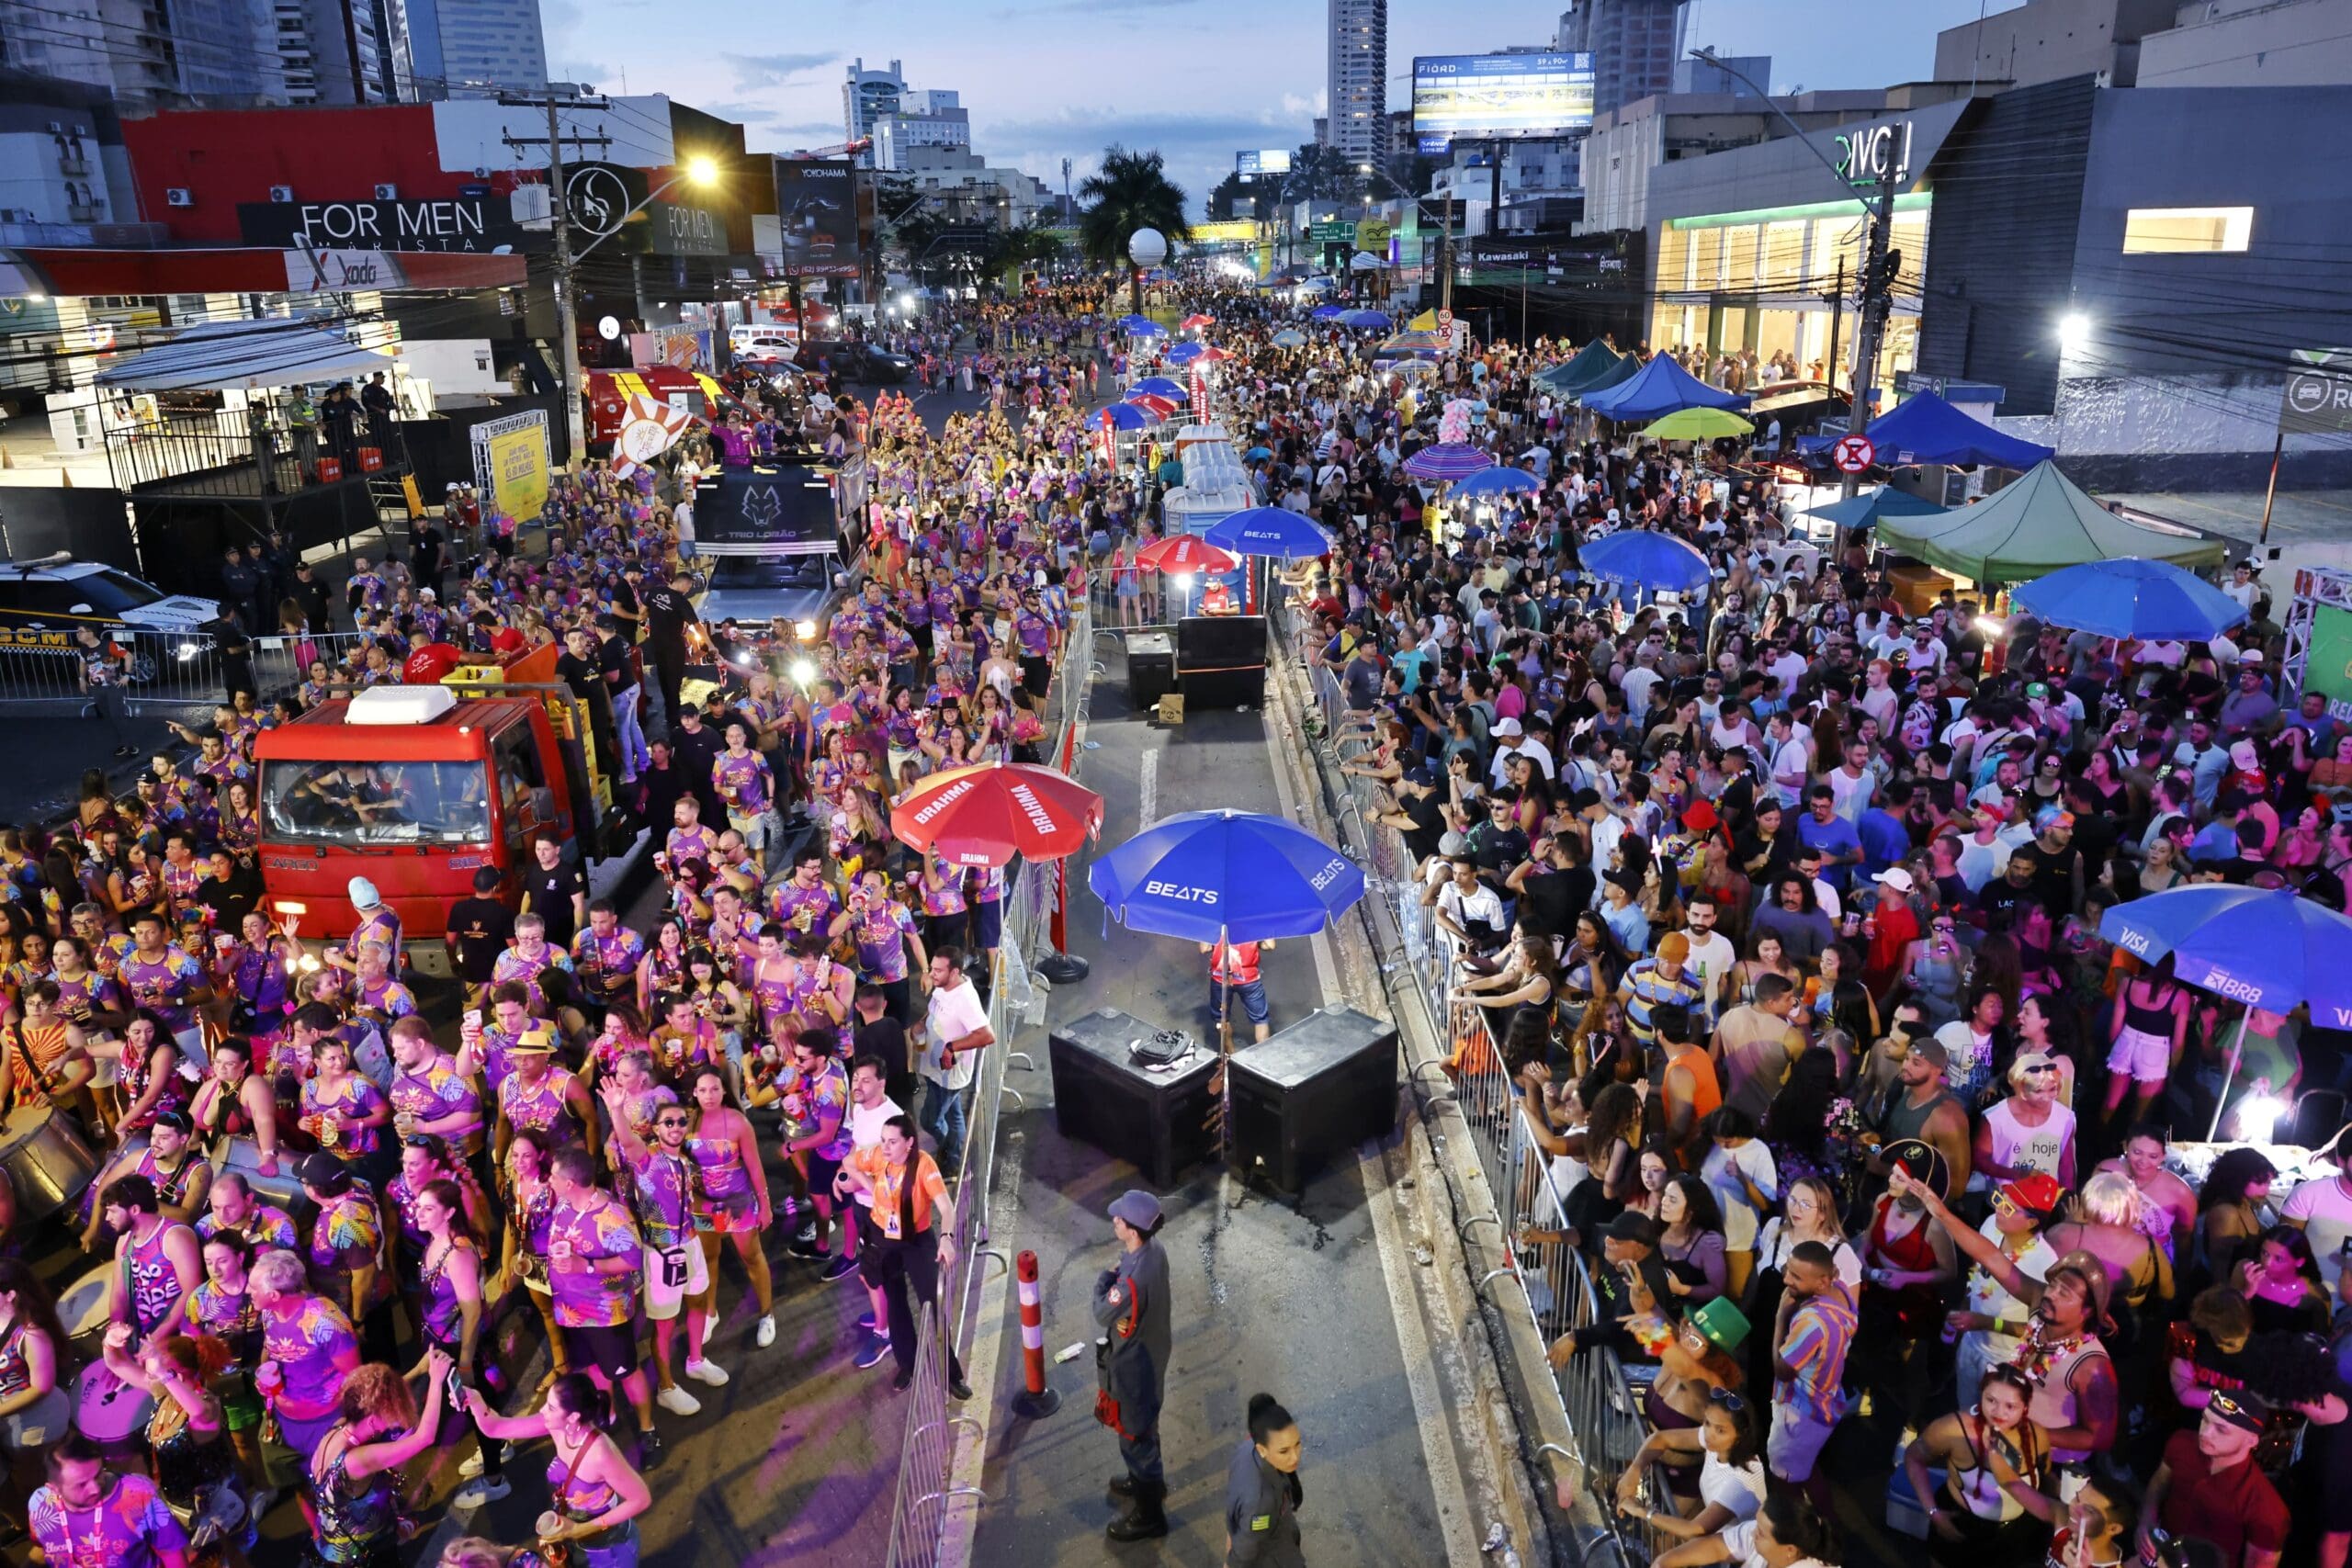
2323	1212
1512	741
955	1025
870	1109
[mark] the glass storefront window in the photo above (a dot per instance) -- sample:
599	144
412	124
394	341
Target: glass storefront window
1784	256
1707	249
1740	247
1674	260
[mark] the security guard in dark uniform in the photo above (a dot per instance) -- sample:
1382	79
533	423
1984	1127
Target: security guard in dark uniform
1263	1493
1131	1362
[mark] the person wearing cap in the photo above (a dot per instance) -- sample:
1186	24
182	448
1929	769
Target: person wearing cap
1990	1320
376	922
1512	741
1131	1307
2026	1131
2209	1487
2249	706
2077	1398
1922	1107
1665	978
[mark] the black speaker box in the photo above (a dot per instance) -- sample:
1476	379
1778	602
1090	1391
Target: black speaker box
1151	667
1220	642
1311	1093
1157	1120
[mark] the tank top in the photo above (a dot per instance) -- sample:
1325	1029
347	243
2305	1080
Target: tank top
2052	1406
15	1376
1903	1119
444	1318
155	1284
2156	1021
1706	1094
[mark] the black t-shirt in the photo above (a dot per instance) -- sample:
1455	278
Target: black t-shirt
613	664
481	928
2053	879
887	1038
625	604
667	617
229	901
1428	823
550	894
581	675
2003	902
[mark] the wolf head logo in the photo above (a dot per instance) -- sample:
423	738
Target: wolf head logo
763	507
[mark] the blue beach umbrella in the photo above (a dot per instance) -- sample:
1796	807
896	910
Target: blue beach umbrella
1125	416
1270	531
1327	312
1372	320
1160	387
2127	596
1497	480
1186	353
1642	560
1224	875
1290	337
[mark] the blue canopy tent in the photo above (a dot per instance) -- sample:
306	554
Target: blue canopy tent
1856	511
1125	416
1923	428
1659	388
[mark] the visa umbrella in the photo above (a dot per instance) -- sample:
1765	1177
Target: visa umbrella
1186	353
1182	553
1640	558
2129	597
1161	387
1274	531
1496	480
2269	948
988	814
1126	416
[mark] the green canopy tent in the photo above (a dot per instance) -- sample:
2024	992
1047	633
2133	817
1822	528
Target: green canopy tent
1590	367
2036	525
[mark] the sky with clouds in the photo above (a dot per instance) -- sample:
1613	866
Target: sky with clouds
1197	79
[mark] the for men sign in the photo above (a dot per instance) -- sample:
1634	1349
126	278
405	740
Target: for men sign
2318	398
450	223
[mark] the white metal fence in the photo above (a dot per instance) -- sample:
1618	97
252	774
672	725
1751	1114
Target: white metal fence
172	670
1600	1401
920	1511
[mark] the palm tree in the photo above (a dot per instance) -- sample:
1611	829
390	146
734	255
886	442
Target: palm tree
1131	191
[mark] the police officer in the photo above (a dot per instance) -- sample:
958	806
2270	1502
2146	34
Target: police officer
1131	1307
1263	1493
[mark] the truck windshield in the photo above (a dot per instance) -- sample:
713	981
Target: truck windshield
376	803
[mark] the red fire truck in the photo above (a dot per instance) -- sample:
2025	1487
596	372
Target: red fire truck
417	787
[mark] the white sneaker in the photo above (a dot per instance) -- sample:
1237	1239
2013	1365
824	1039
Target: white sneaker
703	1372
764	1336
470	1466
476	1493
709	1323
677	1402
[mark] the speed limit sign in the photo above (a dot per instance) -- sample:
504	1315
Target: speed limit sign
1853	454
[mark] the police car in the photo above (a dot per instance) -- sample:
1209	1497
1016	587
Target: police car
44	602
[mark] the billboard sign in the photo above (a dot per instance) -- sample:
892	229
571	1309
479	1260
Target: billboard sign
2328	665
480	223
678	230
1501	95
817	210
1270	161
2318	395
766	511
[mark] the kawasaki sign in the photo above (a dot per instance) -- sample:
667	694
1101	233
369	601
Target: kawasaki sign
2318	395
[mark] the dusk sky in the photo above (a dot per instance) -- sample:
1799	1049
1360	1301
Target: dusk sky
1197	79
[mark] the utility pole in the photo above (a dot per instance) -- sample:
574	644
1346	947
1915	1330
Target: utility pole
1446	252
1878	283
567	304
1837	318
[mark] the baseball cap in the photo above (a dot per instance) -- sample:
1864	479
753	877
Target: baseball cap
1507	727
320	1169
363	894
2241	1410
2251	656
1674	947
1452	843
1893	876
1135	1206
2038	1194
1930	1049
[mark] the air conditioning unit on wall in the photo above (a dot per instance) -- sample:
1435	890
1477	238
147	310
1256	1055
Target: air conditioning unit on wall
178	196
281	193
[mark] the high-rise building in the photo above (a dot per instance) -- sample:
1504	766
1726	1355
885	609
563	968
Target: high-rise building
332	51
1359	79
1634	45
865	95
1716	75
150	56
930	117
466	48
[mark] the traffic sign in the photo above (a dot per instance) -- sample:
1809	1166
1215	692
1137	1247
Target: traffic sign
1853	454
1446	321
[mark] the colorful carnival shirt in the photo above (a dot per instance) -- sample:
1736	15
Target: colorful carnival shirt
308	1345
881	934
746	783
802	910
440	1091
163	985
607	965
130	1527
583	1298
663	1196
347	1233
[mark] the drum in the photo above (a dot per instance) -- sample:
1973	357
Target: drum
47	1162
242	1156
111	1413
82	1309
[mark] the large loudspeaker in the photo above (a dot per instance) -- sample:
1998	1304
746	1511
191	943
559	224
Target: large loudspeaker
1151	667
1311	1093
1157	1120
1221	659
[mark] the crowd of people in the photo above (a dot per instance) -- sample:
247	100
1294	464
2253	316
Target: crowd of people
337	1225
1779	910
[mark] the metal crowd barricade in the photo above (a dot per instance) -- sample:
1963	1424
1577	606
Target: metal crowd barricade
926	1488
165	669
1600	1401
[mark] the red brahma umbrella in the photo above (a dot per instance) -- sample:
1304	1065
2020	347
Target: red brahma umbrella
988	814
1186	552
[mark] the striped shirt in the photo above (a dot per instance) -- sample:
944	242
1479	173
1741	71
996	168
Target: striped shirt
1820	1333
